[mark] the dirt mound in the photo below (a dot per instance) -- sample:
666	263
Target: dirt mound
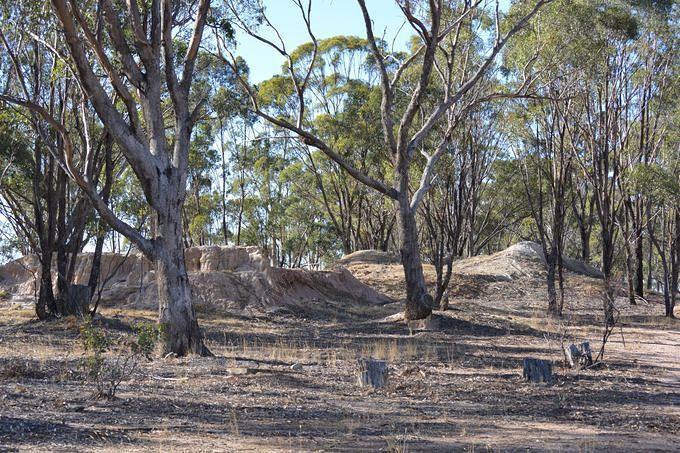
222	278
295	285
503	273
524	259
368	256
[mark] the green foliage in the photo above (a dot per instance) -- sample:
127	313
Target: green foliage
655	182
113	359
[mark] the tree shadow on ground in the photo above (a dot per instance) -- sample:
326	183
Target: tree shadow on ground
32	432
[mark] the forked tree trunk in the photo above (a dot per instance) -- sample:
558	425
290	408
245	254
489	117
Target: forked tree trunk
176	313
419	303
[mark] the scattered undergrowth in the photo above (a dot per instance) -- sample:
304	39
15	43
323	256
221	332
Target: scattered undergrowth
287	381
114	358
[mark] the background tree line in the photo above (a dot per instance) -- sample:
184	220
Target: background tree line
554	121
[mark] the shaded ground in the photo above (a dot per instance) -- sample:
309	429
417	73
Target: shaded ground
456	388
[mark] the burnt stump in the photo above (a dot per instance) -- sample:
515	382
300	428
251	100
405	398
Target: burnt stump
537	371
372	373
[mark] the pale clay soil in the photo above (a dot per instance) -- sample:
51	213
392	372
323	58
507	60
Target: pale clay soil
455	388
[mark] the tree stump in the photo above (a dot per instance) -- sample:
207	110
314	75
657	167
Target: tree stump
372	373
537	370
578	356
77	301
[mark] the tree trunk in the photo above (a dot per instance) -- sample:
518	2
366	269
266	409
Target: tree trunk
45	305
62	258
630	274
585	243
649	265
675	262
176	315
639	264
607	263
560	276
553	308
419	303
442	299
95	270
537	371
372	373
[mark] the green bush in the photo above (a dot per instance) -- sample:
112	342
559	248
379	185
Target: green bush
113	359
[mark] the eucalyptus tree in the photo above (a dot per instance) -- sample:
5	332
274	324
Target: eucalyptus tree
49	214
234	125
661	187
439	28
344	110
139	84
546	172
450	210
654	48
599	127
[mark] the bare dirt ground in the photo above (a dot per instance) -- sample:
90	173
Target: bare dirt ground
455	388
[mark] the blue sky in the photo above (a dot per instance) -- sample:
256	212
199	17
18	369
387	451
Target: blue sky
329	18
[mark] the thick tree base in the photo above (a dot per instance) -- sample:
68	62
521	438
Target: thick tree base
554	313
419	309
77	301
184	342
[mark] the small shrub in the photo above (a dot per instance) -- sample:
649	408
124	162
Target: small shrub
114	359
4	294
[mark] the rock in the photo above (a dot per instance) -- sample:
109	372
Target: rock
296	367
537	370
372	373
